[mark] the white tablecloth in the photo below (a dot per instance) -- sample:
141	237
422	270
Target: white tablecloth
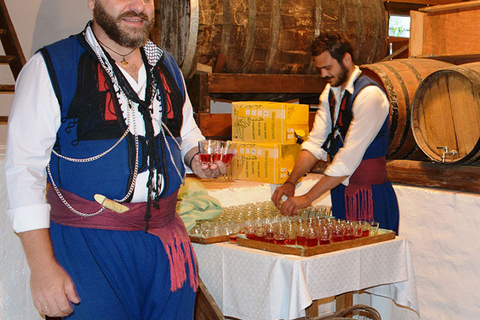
252	284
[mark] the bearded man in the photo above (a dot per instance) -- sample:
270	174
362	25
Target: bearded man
104	116
352	129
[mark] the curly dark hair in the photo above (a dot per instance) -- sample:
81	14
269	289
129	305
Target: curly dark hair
335	43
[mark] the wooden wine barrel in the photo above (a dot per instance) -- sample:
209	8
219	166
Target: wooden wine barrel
400	80
265	36
446	114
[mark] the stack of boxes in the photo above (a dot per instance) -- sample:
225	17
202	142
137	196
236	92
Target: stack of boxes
268	137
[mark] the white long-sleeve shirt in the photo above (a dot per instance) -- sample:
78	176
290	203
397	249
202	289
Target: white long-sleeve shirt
369	111
32	127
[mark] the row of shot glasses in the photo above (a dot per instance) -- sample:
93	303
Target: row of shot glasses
211	151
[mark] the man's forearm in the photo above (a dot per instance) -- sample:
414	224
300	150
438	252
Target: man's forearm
38	248
304	163
325	184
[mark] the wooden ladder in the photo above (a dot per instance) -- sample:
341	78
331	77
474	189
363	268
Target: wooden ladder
13	52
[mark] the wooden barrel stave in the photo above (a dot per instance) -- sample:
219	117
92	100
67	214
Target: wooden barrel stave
446	113
265	36
400	79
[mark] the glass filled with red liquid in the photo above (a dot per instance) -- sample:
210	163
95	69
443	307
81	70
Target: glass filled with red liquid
365	228
290	234
209	151
227	151
338	232
312	238
324	235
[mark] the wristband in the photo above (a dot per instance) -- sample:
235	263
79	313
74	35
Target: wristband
293	183
191	159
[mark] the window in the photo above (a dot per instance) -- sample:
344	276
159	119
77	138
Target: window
399	26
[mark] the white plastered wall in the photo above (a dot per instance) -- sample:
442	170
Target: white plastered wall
443	227
38	23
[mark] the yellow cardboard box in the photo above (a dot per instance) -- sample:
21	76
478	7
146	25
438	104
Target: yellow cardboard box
267	162
265	121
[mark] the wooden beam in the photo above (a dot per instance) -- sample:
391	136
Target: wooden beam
399	8
452	6
436	175
395	53
197	89
215	126
428	174
205	306
416	33
7	88
264	83
425	2
312	310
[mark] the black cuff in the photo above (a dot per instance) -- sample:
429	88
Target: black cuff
191	159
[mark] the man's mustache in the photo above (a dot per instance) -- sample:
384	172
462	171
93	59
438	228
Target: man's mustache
130	14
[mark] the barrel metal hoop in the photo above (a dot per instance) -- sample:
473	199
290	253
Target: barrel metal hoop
413	69
406	127
392	97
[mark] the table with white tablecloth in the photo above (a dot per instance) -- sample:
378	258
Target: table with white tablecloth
253	284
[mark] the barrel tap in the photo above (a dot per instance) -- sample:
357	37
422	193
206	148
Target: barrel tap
447	152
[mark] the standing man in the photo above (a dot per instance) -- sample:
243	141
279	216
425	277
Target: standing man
104	116
351	128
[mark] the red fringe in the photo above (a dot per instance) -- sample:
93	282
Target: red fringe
179	251
165	224
359	203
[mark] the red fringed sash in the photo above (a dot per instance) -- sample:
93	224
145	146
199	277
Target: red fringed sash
165	224
358	193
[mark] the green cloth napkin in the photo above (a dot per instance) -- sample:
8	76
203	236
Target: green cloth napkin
194	203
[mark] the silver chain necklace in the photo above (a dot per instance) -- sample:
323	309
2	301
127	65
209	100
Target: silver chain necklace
131	115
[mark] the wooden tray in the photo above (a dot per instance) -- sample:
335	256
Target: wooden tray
383	235
210	240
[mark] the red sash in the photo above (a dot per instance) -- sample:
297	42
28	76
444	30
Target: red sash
358	193
165	223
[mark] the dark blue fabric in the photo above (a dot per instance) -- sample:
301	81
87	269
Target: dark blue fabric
111	175
385	205
120	275
380	144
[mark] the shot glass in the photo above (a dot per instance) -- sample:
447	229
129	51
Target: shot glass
312	237
338	232
365	228
374	225
290	234
324	235
227	151
349	231
209	151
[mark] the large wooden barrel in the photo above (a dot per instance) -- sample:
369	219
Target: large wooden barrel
265	36
400	80
446	115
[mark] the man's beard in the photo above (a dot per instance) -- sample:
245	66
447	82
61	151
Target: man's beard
111	27
342	76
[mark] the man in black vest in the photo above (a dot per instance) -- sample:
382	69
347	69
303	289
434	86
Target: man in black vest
105	117
351	128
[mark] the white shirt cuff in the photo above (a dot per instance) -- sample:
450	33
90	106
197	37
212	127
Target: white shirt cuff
338	170
314	149
30	217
